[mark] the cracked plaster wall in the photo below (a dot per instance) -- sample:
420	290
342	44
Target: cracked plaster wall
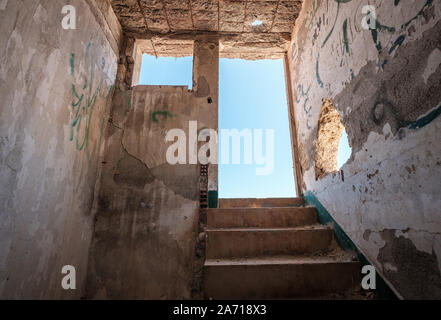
386	85
147	221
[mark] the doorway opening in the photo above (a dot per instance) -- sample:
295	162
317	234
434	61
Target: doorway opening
253	109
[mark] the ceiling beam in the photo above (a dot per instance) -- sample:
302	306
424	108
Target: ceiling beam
164	8
191	14
141	10
245	15
274	17
191	35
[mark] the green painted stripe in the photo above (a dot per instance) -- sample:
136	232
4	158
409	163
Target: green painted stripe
383	292
213	199
424	121
325	218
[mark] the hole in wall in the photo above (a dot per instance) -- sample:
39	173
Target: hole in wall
209	100
332	146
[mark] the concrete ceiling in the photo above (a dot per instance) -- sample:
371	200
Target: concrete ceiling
167	26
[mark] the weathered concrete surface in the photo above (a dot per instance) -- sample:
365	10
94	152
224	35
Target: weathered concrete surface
252	242
264	253
386	85
260	202
261	217
147	223
48	156
279	278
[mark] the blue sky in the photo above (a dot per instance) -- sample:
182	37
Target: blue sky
166	71
344	150
251	96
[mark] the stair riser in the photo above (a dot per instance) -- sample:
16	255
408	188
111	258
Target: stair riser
261	203
279	281
240	244
261	218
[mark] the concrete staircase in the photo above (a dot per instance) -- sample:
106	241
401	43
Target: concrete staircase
273	249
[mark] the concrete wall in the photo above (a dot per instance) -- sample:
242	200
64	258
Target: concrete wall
53	89
147	223
386	85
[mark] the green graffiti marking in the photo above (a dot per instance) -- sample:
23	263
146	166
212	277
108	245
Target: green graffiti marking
72	64
397	43
108	100
164	114
426	5
383	28
345	35
424	121
378	46
302	95
84	99
317	72
333	26
379	28
335	21
310	19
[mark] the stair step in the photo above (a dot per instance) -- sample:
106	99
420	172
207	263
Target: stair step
278	277
260	202
252	242
261	217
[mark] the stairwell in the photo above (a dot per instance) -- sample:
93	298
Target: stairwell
273	249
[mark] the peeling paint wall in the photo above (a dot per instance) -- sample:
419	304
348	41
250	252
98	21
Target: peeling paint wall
147	223
386	85
54	89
